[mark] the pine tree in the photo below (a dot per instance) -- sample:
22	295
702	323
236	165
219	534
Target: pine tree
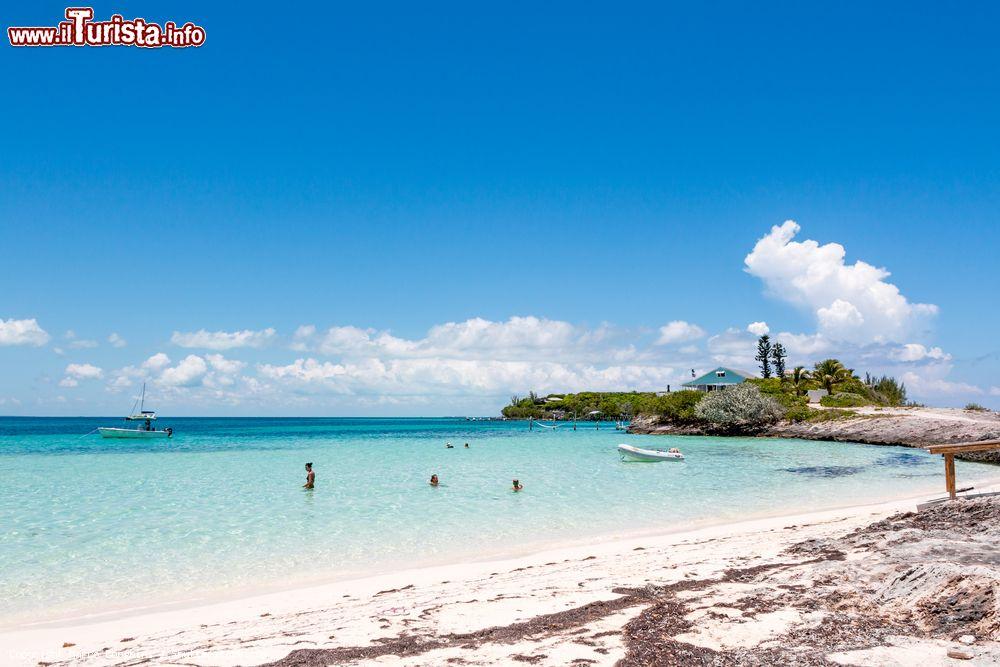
764	355
779	356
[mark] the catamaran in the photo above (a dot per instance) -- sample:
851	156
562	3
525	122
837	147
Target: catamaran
144	430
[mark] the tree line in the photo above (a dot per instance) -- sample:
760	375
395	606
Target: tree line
844	387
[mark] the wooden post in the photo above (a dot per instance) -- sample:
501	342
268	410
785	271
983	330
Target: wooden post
949	474
951	449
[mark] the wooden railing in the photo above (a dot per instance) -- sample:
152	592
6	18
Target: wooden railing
949	451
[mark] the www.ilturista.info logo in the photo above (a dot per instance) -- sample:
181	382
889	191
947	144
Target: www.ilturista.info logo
81	30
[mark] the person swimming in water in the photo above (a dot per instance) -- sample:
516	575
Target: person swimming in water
517	486
434	480
448	445
310	477
466	445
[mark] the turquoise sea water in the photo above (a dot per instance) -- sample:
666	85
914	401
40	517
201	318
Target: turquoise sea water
91	524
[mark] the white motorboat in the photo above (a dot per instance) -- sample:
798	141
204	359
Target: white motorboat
112	432
630	453
144	428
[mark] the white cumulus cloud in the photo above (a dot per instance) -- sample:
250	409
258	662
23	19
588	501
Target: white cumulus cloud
459	377
475	357
189	372
222	340
22	332
917	352
302	337
116	340
517	333
734	348
851	302
77	372
84	371
518	338
932	385
157	362
758	328
212	371
805	346
223	365
679	331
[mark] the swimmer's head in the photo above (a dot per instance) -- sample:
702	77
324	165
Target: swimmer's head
309	466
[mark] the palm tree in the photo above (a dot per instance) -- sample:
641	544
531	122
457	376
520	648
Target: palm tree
800	379
830	372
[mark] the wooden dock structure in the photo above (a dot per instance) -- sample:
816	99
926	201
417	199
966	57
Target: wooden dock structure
950	450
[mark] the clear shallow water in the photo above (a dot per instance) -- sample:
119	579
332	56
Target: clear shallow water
87	523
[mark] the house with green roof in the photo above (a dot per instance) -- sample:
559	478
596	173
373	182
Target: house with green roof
720	378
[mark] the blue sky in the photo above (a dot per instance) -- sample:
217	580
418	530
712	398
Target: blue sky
407	179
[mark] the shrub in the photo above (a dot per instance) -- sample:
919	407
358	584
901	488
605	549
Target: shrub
679	406
521	412
739	409
975	407
768	385
844	399
830	415
886	390
780	390
789	401
852	386
799	413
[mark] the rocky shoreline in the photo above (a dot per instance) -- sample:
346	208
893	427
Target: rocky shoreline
908	427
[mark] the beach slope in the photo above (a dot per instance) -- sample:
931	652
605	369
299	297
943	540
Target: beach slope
878	585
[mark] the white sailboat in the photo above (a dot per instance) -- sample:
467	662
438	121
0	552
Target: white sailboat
144	430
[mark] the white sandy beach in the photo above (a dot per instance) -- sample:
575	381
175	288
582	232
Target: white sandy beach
495	612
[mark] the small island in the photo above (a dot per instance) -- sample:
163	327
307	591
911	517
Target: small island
825	402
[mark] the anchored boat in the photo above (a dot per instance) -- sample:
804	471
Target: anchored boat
144	428
630	453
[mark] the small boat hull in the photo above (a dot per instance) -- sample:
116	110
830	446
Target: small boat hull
630	453
134	433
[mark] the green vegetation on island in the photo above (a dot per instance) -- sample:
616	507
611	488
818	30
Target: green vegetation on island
589	405
748	407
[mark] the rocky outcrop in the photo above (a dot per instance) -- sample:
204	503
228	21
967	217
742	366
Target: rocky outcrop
935	570
909	427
